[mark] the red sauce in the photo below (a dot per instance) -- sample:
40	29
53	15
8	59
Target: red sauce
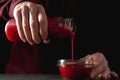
74	71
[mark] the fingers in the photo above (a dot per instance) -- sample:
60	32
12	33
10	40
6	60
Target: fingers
106	74
31	22
98	58
101	73
114	74
34	27
18	19
25	24
46	41
100	69
42	20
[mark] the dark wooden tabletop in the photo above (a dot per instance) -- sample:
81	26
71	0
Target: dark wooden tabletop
36	77
29	77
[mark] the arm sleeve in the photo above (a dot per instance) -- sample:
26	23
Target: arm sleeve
7	7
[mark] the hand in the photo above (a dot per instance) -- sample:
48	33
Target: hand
31	21
101	68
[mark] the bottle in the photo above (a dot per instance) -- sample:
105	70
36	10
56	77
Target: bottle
57	28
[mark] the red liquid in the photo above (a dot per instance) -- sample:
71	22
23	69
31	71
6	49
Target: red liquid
74	71
53	29
72	45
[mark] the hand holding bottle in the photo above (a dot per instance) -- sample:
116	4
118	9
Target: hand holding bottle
31	22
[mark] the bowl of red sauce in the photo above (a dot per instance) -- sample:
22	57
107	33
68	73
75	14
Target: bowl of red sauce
74	69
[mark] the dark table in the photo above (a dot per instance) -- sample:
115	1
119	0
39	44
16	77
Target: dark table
36	77
29	77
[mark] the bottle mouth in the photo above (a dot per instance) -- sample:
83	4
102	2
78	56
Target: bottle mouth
72	24
68	23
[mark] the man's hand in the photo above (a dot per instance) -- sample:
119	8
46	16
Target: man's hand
31	21
101	68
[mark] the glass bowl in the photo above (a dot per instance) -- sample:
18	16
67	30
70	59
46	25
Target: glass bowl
74	69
